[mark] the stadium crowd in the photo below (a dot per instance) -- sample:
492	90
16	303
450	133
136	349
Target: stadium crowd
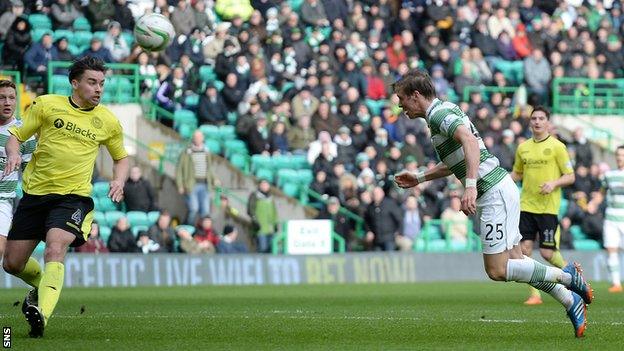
314	78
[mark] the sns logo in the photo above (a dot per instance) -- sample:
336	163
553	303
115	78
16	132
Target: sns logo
58	123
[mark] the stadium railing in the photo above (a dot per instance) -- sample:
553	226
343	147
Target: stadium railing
359	221
578	96
486	90
16	78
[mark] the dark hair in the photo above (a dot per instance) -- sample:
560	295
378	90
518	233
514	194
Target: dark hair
5	83
543	109
621	147
87	63
415	80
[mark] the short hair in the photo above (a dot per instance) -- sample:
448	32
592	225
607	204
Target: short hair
87	63
621	147
542	109
415	80
5	83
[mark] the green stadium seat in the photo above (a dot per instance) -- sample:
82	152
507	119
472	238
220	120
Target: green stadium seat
106	204
232	117
189	228
81	24
138	228
152	217
459	246
183	116
211	132
227	132
63	33
265	174
129	37
586	245
112	217
37	33
75	50
240	161
299	162
137	218
235	147
186	131
261	162
100	189
437	245
305	176
375	106
295	5
39	21
286	176
213	145
291	189
283	162
207	74
563	208
218	84
105	233
100	34
191	100
577	233
419	245
39	249
99	217
82	39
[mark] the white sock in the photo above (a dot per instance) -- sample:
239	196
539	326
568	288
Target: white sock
528	270
557	291
613	264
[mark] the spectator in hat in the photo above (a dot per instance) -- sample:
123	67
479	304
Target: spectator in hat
226	60
342	225
521	43
7	18
99	13
301	135
304	103
229	244
139	194
303	52
212	109
214	44
115	42
258	136
123	15
17	41
345	149
97	50
62	54
39	54
146	244
63	14
262	210
121	238
183	18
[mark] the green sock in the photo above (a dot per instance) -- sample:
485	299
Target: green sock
31	274
50	288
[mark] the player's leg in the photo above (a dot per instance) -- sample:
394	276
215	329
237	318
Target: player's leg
611	237
528	229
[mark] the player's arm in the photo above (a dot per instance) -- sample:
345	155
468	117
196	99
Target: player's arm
565	167
470	144
32	123
407	179
121	165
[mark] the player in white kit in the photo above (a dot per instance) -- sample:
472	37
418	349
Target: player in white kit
489	193
613	231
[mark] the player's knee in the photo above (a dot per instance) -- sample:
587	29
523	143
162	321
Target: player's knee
12	267
498	274
54	253
546	254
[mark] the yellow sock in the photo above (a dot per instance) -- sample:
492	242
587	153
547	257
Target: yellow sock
50	288
534	292
557	259
31	274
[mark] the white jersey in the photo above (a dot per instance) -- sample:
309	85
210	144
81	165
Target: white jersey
443	118
8	184
613	184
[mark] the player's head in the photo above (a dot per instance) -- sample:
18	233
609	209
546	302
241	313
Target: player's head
540	121
619	156
8	100
415	91
86	76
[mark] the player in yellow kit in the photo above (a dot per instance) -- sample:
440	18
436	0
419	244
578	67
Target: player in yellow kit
543	165
57	207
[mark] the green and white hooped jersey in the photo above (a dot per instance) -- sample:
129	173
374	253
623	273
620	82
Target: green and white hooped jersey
443	118
613	183
8	184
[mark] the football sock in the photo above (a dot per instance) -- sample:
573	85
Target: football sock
557	291
528	270
50	287
31	274
613	264
557	259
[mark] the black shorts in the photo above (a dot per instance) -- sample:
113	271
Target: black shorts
37	214
544	227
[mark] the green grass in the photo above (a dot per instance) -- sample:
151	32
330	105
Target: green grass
435	316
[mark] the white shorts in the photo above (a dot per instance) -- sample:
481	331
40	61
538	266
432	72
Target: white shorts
499	215
613	234
6	216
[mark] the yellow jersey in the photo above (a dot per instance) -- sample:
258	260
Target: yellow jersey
68	141
540	162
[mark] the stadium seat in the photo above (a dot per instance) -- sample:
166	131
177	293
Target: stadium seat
232	117
137	218
207	74
265	174
37	33
291	189
186	131
112	217
183	116
129	37
305	176
211	132
39	249
218	84
189	228
227	132
75	50
586	245
419	245
261	162
82	38
81	24
106	204
100	34
299	162
138	228
286	175
213	145
577	233
105	233
99	217
63	33
240	161
235	147
152	217
40	21
191	101
100	189
437	245
375	106
459	246
283	162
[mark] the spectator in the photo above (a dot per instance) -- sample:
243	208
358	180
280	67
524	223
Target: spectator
384	221
188	245
455	221
230	244
123	15
537	74
171	92
325	120
147	245
521	43
304	104
505	47
94	244
313	13
258	137
205	235
63	14
195	177
506	150
62	52
115	42
17	41
581	149
232	92
224	63
202	22
411	224
160	233
315	147
38	56
341	224
263	213
278	140
301	136
212	109
121	238
100	13
214	44
98	51
7	18
139	194
183	18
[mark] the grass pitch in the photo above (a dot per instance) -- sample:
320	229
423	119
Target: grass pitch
432	316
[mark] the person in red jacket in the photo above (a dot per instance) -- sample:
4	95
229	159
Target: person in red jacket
205	234
395	53
521	42
376	88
